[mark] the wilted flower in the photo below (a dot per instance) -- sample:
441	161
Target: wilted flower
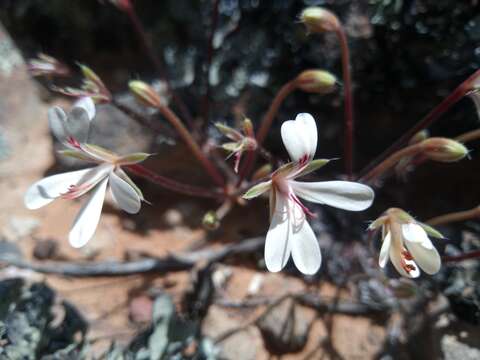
406	243
241	142
45	65
289	232
72	130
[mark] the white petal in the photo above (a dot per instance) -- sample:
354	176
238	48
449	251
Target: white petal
278	241
57	120
78	124
415	233
48	189
124	195
88	105
305	249
396	259
421	248
385	250
86	222
300	136
340	194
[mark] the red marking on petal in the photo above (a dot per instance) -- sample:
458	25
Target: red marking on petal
74	142
303	207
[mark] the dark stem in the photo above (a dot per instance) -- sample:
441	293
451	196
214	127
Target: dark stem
158	65
348	95
172	185
428	120
178	262
465	256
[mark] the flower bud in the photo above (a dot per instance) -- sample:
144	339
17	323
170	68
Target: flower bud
90	75
419	136
262	172
318	20
145	94
248	128
210	220
316	81
443	149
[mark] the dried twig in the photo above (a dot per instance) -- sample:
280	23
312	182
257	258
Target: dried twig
173	262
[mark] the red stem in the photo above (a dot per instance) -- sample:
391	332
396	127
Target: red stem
430	118
465	256
348	95
170	184
160	69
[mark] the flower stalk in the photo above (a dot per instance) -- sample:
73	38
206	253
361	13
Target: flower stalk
455	217
170	184
456	95
435	148
147	96
265	126
348	96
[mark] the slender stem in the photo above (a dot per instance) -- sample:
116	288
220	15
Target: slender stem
210	52
170	184
267	120
455	217
429	119
469	136
158	65
390	161
265	125
348	95
192	144
465	256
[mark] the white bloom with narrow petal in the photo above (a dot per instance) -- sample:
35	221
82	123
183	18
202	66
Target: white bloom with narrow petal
73	184
407	245
290	233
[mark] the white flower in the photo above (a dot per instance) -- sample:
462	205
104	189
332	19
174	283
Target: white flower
74	184
290	232
406	244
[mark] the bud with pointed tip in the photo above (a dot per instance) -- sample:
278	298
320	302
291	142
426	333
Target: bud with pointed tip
145	94
319	20
443	149
316	81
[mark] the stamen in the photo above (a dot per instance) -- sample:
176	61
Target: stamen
303	207
74	191
406	256
74	142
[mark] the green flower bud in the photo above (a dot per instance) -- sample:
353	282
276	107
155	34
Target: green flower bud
443	149
145	94
319	20
316	81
